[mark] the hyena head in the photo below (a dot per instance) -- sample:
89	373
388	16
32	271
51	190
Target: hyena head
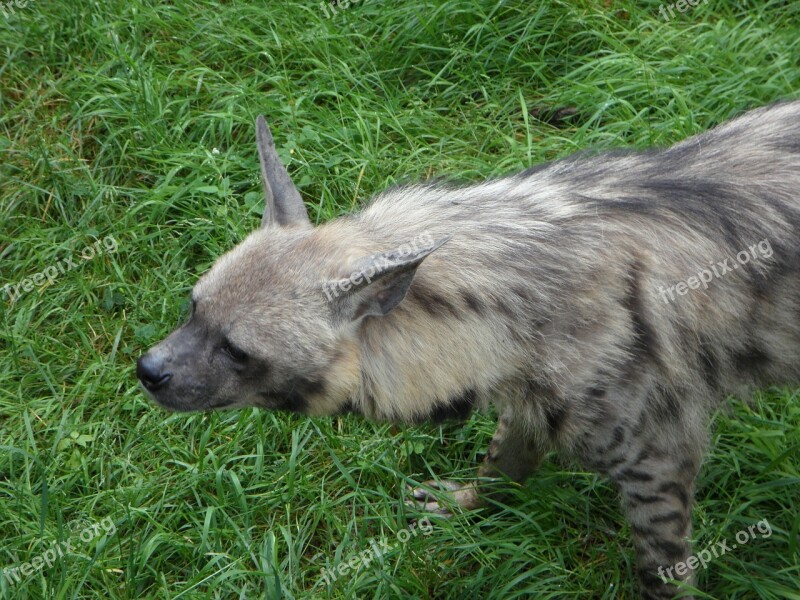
275	321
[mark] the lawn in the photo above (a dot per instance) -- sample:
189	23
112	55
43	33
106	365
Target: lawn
128	164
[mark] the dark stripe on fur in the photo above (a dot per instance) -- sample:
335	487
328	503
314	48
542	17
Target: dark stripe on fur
458	408
633	475
596	392
666	406
675	489
473	302
709	363
674	515
646	499
433	303
645	342
672	550
751	359
555	415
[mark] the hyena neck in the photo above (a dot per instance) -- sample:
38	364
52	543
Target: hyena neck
406	378
436	356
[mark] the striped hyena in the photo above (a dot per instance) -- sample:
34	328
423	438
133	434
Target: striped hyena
604	304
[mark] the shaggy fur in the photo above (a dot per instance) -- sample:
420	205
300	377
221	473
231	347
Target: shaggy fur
606	305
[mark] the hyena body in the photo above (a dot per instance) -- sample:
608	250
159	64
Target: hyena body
557	294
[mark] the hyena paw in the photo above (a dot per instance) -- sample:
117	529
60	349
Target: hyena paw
440	497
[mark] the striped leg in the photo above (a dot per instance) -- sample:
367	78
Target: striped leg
656	498
654	465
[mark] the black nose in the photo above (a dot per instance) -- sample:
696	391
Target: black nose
150	373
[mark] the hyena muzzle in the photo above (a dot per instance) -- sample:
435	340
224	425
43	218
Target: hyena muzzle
605	304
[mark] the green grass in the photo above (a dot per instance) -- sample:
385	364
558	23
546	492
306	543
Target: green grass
110	114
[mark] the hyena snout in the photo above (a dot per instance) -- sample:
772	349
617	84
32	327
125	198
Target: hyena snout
177	373
151	372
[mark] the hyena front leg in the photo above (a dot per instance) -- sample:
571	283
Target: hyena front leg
654	466
657	495
511	454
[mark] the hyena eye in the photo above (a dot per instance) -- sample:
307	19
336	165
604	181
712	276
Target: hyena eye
233	352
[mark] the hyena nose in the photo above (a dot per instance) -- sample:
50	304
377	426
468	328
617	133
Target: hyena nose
149	371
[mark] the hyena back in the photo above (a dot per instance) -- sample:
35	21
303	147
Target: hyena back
602	303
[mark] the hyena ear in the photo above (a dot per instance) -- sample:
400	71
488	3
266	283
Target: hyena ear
284	205
379	283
